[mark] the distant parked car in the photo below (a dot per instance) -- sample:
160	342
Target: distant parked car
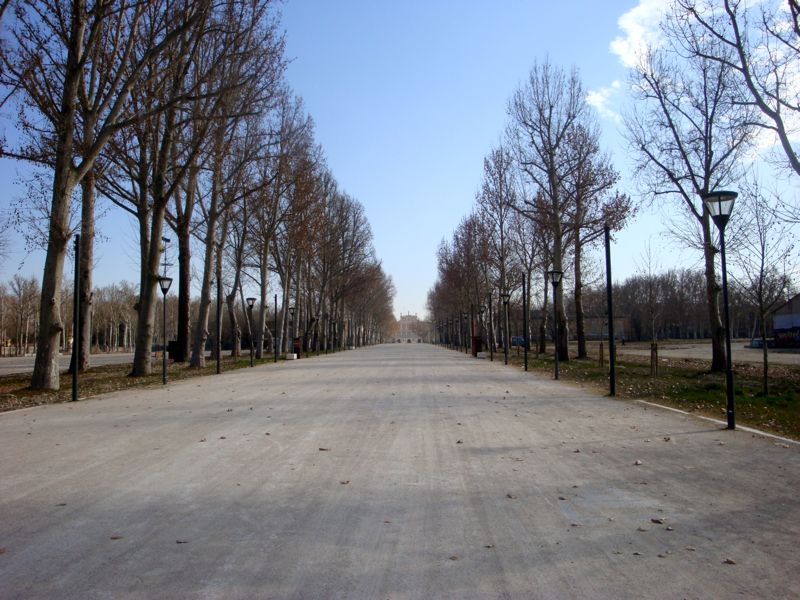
517	340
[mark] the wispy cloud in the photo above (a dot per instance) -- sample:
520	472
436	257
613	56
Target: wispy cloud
603	99
640	28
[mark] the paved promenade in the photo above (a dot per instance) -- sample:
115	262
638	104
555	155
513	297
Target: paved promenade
401	471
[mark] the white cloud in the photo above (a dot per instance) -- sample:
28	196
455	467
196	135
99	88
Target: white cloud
602	100
640	27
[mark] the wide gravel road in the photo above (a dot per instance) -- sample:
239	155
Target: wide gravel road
400	471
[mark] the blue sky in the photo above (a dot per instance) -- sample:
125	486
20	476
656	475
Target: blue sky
408	98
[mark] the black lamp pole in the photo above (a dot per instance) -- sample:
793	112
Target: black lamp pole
250	303
275	338
291	328
490	337
555	279
720	205
612	343
164	282
76	318
525	301
505	296
465	328
481	323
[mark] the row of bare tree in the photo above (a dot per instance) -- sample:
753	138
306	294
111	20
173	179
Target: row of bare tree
178	113
718	88
547	192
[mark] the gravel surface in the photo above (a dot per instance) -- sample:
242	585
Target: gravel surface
400	471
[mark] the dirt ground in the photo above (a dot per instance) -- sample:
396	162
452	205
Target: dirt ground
400	471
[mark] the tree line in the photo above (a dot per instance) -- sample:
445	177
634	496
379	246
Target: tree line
179	114
717	88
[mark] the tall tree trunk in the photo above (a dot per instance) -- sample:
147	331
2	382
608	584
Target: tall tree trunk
765	378
46	366
580	328
261	324
717	331
148	296
86	267
184	290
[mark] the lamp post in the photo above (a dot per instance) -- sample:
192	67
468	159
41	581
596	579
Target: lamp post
250	303
465	329
291	327
164	282
76	318
525	301
555	279
505	296
275	329
481	311
490	337
720	205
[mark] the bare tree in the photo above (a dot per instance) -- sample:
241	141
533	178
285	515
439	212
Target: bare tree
688	128
592	205
760	43
544	112
55	46
762	260
494	207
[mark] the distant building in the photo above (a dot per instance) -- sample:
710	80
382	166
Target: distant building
786	324
409	330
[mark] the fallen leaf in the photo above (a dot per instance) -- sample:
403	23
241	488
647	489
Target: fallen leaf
561	498
670	529
324	449
511	496
637	553
203	440
667	438
641	529
61	504
637	463
454	557
222	437
690	549
116	537
459	442
181	542
345	482
577	451
657	520
489	546
729	561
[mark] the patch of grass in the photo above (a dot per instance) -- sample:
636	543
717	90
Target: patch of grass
15	391
688	385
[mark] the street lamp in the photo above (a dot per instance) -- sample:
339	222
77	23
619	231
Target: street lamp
720	205
490	335
164	282
250	303
505	297
481	311
291	326
555	279
464	330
